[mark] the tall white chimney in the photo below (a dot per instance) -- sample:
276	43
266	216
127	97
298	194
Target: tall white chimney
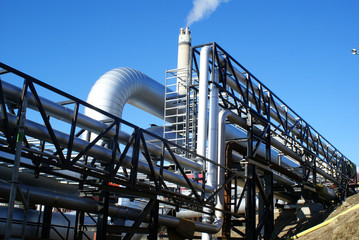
184	48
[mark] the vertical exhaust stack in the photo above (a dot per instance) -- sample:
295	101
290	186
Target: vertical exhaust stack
184	47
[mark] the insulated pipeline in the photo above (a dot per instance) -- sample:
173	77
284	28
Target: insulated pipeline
39	196
100	153
241	122
202	102
60	112
241	78
13	93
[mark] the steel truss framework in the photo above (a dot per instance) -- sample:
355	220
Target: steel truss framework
266	116
250	99
98	178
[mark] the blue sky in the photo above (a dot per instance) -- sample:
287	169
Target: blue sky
299	49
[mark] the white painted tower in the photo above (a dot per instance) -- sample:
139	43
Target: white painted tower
183	61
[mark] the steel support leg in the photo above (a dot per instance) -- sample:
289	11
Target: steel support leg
226	229
102	216
80	216
153	225
251	203
269	210
15	173
46	222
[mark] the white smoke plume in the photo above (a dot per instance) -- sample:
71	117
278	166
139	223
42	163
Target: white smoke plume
201	9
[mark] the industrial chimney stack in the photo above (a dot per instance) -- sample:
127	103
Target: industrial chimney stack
184	48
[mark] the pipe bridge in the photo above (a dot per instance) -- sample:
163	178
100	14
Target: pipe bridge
229	150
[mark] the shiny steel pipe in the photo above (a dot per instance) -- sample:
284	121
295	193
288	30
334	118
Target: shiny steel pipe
202	102
13	93
226	114
242	122
102	154
202	125
213	129
223	116
39	196
34	220
119	86
232	83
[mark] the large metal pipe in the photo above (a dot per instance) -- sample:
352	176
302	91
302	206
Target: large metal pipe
100	153
119	86
126	80
39	196
13	93
63	224
213	129
126	85
203	102
241	122
65	114
292	120
226	114
41	181
58	111
223	116
212	136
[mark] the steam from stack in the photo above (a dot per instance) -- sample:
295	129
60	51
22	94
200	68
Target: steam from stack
201	9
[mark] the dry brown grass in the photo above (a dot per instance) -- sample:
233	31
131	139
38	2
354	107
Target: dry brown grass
344	227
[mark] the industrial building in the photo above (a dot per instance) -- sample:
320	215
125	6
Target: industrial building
230	151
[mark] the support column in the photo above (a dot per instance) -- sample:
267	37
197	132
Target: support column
79	222
102	216
46	222
250	182
263	227
21	117
269	219
153	225
251	203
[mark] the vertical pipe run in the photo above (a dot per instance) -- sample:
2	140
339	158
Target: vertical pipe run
203	112
212	140
213	129
223	114
203	101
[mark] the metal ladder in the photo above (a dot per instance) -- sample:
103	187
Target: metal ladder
180	113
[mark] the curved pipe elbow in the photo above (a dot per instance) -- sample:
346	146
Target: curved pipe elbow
119	86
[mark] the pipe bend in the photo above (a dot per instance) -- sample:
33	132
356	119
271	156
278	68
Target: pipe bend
124	85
